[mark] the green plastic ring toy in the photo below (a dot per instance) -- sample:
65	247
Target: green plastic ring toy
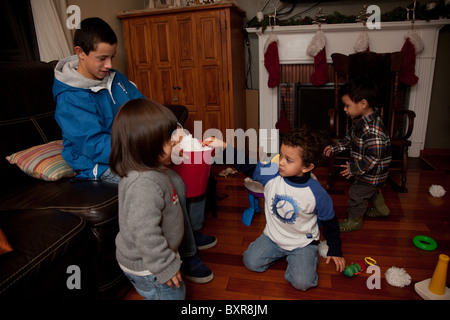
425	243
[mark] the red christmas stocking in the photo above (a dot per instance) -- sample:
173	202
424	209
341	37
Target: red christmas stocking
408	67
320	75
413	45
272	62
283	123
316	49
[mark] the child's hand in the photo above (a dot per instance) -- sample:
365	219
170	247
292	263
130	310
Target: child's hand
327	151
176	279
177	155
339	261
215	143
178	135
346	172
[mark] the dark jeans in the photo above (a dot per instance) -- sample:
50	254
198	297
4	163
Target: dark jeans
359	195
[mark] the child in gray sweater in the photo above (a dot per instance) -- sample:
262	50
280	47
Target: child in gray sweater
150	215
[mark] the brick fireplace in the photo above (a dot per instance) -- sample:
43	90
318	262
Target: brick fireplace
294	40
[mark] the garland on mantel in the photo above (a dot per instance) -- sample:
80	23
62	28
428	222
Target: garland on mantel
441	10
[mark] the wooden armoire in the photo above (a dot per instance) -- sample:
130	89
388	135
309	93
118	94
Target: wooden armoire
191	56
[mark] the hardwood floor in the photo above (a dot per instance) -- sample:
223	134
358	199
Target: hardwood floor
387	240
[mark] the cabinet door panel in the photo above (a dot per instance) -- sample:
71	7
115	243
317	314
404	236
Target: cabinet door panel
162	47
186	39
190	125
209	38
211	73
144	82
211	86
164	71
141	39
188	87
187	65
165	92
213	121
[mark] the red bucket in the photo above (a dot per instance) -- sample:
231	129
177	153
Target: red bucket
195	171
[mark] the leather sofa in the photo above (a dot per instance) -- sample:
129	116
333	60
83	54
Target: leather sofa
51	225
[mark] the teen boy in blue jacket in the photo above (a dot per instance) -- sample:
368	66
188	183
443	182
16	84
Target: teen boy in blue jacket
86	107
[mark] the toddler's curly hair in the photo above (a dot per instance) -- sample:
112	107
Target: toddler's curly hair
308	140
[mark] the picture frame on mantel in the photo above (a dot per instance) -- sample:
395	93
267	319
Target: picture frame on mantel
161	4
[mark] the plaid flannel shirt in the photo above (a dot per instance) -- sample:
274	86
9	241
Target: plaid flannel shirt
370	150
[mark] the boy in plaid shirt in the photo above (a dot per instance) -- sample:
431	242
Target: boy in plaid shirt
370	153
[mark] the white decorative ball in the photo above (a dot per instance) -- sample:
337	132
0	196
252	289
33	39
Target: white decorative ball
437	190
397	277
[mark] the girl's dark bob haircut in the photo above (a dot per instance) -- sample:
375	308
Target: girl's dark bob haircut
140	130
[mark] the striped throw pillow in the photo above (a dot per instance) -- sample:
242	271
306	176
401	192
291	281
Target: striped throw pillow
43	161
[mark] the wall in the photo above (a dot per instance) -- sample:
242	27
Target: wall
438	130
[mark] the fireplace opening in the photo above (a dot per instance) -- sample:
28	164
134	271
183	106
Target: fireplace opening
303	103
308	106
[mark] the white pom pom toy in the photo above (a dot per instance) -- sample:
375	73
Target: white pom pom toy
397	277
322	248
437	191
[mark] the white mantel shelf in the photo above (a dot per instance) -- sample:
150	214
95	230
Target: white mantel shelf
294	40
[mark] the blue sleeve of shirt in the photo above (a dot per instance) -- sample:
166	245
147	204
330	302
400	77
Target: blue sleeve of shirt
325	214
324	204
265	172
133	91
258	171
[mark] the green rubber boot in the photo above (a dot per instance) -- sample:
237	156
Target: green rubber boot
351	224
379	209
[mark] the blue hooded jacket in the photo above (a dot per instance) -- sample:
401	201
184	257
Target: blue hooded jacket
85	111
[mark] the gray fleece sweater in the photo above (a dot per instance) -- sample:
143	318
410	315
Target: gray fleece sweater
151	224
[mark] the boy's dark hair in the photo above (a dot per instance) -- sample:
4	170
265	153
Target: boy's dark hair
361	88
139	132
308	140
92	31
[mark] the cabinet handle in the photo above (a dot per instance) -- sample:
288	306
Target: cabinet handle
175	98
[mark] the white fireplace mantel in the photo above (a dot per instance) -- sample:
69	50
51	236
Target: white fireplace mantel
294	40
